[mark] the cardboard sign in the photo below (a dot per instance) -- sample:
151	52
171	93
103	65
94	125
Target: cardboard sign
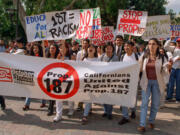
157	27
92	82
86	22
96	28
107	34
131	22
36	27
175	30
62	24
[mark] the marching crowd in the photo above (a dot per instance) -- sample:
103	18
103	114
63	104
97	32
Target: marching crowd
159	72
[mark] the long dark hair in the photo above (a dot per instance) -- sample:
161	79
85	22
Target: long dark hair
95	53
56	53
147	51
40	52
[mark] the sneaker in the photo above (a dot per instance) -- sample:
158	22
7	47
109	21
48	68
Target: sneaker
25	108
57	118
42	105
133	115
71	112
141	129
177	102
123	121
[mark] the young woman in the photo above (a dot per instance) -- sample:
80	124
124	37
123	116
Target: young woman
90	56
108	56
100	51
153	67
63	55
52	53
36	50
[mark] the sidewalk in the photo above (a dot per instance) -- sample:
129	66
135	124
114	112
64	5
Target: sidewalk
15	121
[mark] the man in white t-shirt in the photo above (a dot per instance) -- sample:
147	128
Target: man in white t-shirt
129	56
20	44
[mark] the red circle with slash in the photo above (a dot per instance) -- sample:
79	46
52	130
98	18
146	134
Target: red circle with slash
71	72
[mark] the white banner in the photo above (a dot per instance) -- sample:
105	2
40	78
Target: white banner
62	24
42	78
36	27
158	27
131	22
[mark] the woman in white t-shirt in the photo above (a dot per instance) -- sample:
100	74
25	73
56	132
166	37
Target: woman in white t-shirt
90	56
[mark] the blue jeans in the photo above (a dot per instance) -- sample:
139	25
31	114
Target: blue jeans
87	109
108	109
28	101
152	88
125	111
174	77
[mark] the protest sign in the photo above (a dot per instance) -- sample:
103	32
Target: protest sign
107	34
36	27
96	28
93	82
175	30
86	22
62	24
158	27
131	22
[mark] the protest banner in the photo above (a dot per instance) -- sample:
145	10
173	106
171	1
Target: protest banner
62	24
93	82
131	22
175	30
36	27
158	27
86	22
96	28
107	35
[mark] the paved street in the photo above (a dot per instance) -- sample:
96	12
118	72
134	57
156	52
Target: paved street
14	121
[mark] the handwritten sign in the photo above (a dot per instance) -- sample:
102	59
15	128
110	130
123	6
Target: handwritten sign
36	27
157	26
175	30
107	34
131	22
62	24
86	22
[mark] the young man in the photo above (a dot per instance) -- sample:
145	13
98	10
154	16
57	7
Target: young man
129	56
175	71
119	45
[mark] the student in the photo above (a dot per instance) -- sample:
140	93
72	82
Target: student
175	71
129	56
90	56
108	56
119	46
153	67
80	56
35	50
63	55
53	52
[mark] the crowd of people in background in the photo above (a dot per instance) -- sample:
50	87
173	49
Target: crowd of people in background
159	72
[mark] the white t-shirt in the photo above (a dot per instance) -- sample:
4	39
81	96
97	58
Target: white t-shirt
91	59
19	51
131	58
80	55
